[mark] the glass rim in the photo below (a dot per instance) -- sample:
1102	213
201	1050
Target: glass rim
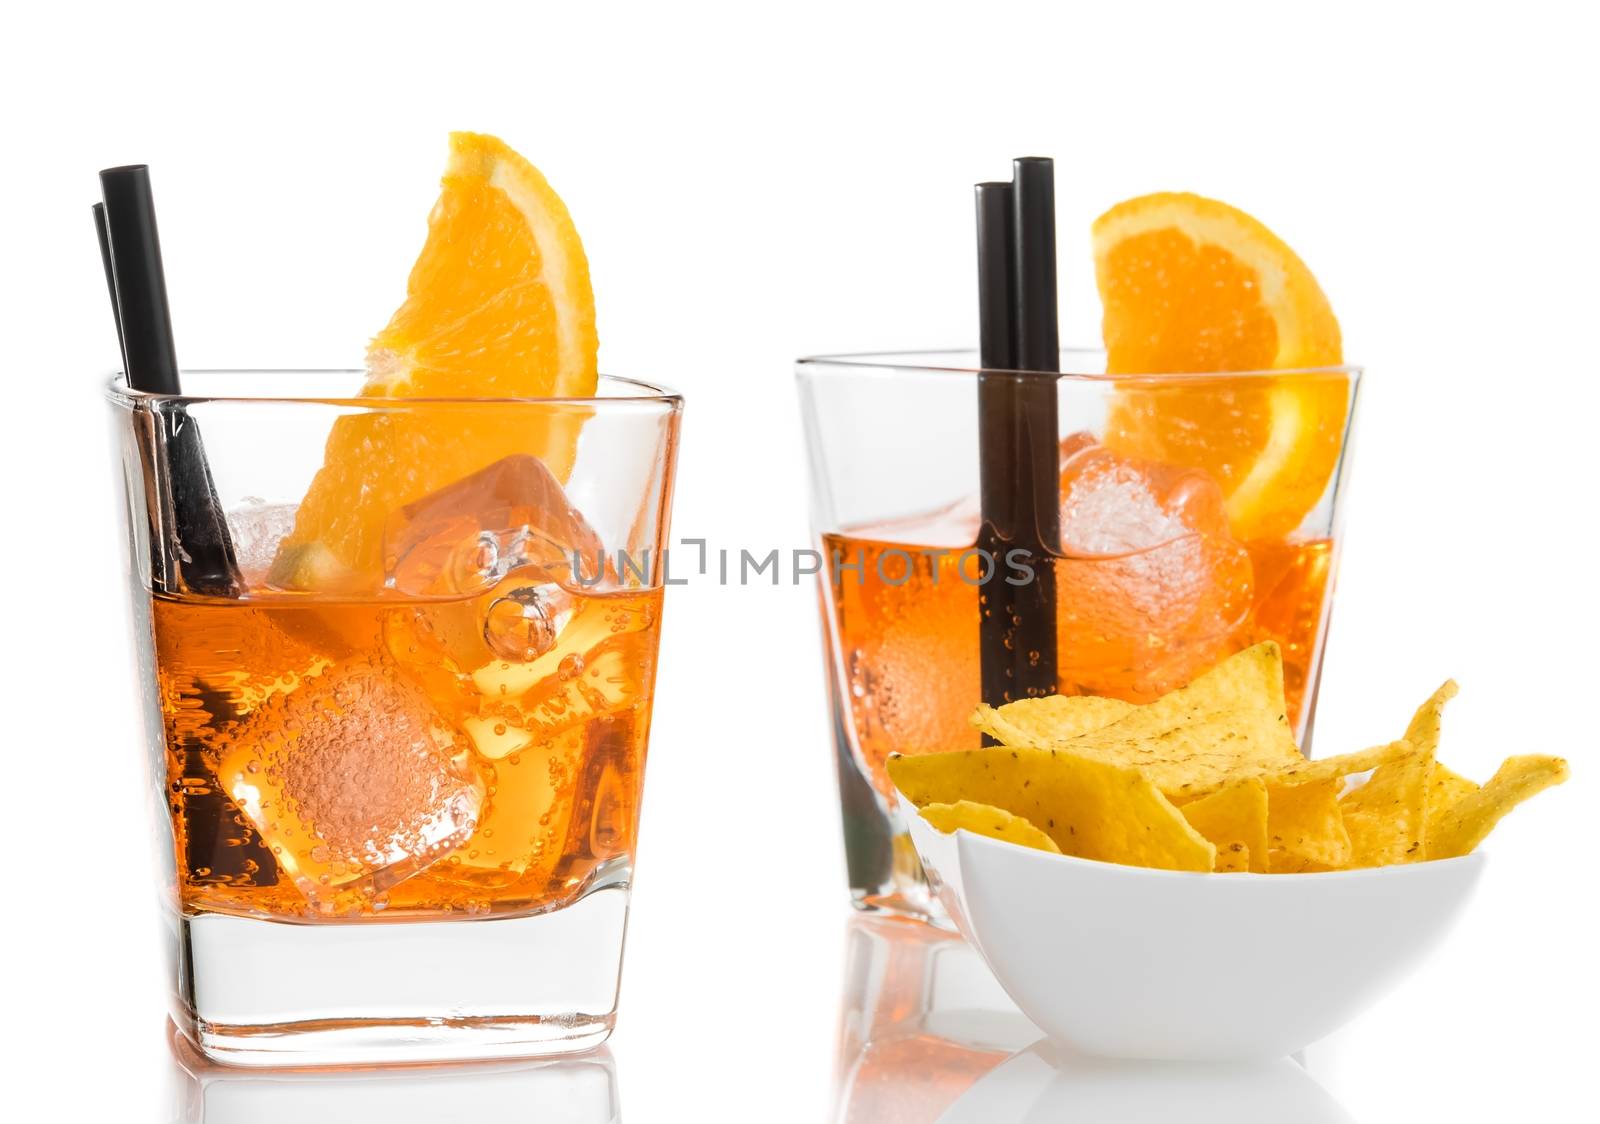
897	362
643	393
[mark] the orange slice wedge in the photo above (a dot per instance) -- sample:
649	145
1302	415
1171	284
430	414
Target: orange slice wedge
498	305
1193	285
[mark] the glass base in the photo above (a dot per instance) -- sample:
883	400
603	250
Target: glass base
267	993
912	902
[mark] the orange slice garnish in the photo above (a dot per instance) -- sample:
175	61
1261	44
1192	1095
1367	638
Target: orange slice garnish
498	306
1193	285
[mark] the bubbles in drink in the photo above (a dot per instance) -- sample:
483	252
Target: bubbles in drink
523	624
352	781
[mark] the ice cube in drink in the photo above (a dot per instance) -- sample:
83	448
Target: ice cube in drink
1151	588
352	781
467	536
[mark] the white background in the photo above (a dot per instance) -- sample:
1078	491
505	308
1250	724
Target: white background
752	185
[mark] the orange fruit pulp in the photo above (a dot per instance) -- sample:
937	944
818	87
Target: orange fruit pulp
498	306
1193	286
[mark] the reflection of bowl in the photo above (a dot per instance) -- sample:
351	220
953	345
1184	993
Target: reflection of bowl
1052	1082
1128	962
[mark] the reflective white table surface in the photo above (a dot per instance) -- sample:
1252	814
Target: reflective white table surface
922	1034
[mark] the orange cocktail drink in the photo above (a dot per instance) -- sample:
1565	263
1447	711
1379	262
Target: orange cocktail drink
1199	486
399	734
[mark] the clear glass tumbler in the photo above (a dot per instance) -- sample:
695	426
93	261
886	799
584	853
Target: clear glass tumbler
1199	514
398	713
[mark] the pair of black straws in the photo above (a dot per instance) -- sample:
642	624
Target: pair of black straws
130	250
1018	431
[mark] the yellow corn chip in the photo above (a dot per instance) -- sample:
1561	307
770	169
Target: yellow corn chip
1195	756
1385	817
1100	778
1090	808
1235	819
1465	824
1251	678
986	819
1228	722
1305	828
1320	769
1424	729
1445	789
1041	723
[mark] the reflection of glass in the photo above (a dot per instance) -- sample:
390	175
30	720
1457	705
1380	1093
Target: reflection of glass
399	752
921	1019
1174	552
927	1036
570	1090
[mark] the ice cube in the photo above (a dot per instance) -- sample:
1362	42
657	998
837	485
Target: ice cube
353	782
466	537
257	527
534	724
1109	505
1153	587
526	720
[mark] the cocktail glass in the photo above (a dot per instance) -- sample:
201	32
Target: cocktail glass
397	810
1172	555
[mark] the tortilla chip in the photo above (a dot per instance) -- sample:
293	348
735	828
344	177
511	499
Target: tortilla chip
1465	824
1090	808
1040	723
1424	729
1446	788
1385	817
1251	678
1200	755
1304	827
1233	859
1228	722
1336	768
1235	819
985	819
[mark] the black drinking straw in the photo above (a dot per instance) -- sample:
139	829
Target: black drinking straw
139	281
997	340
111	277
1038	337
150	363
1018	440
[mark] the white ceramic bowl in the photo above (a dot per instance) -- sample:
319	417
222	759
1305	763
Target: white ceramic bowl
1127	962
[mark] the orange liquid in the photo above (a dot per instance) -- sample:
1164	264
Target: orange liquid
403	758
1130	627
